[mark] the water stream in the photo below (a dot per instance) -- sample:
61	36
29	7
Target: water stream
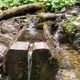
30	61
30	31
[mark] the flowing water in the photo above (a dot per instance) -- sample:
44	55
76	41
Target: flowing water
32	35
30	61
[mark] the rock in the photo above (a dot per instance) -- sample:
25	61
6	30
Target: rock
66	63
77	35
67	16
2	48
58	35
76	41
5	40
63	10
64	74
8	36
74	12
10	26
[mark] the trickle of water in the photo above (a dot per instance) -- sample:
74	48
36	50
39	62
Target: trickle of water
31	26
30	61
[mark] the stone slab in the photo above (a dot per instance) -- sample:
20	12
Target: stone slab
40	45
20	46
16	61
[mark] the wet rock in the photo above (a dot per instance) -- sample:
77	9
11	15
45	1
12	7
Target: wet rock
58	35
3	47
16	61
76	41
66	63
64	74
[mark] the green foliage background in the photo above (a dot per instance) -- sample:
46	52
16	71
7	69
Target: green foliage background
48	4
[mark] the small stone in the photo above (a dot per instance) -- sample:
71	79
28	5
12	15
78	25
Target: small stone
77	35
64	74
67	15
74	12
65	63
63	10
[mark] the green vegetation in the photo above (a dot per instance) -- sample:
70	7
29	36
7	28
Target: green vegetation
57	4
48	4
70	24
2	4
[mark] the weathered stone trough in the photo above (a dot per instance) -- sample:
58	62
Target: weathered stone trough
16	56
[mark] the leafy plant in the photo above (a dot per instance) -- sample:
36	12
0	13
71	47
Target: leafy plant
57	4
48	4
68	25
2	4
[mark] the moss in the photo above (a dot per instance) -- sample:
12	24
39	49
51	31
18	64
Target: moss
39	25
41	18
